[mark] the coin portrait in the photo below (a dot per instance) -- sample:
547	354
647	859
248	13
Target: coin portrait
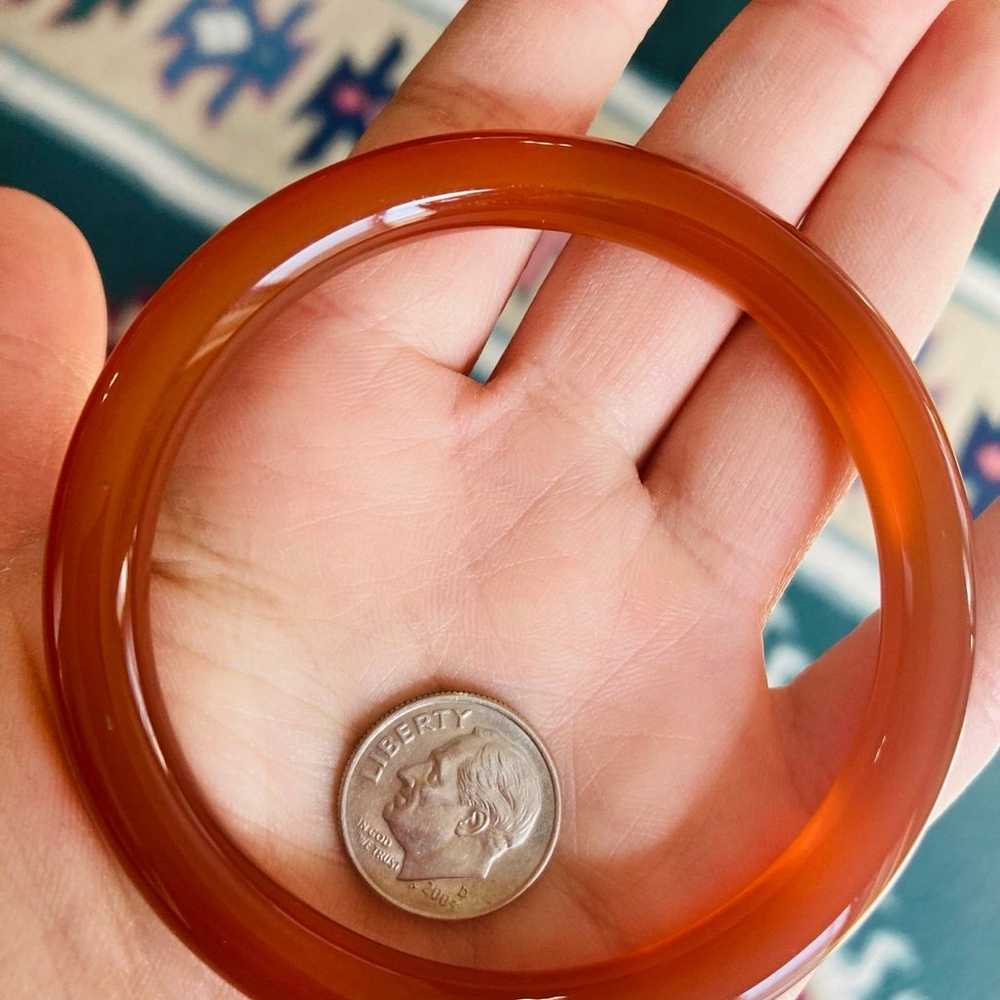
449	806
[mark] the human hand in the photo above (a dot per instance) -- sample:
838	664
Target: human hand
595	536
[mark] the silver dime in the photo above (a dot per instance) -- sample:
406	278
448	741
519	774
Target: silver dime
449	806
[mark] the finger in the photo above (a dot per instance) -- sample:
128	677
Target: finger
981	729
822	708
753	444
509	64
52	339
770	108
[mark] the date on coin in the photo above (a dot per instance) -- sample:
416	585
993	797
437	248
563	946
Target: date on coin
449	806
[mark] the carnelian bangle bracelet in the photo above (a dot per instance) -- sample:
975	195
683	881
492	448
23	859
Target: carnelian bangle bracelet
114	723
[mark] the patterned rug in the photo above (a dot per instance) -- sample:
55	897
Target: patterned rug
153	122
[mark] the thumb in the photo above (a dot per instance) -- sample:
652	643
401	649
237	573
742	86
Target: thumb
69	920
52	338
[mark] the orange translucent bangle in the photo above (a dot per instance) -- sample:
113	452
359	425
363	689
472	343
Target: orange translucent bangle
271	944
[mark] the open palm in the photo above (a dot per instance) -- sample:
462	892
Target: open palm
595	536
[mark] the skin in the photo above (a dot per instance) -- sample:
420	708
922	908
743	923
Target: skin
595	536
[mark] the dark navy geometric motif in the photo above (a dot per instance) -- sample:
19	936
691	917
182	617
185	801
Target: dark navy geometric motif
80	10
347	99
981	464
228	34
